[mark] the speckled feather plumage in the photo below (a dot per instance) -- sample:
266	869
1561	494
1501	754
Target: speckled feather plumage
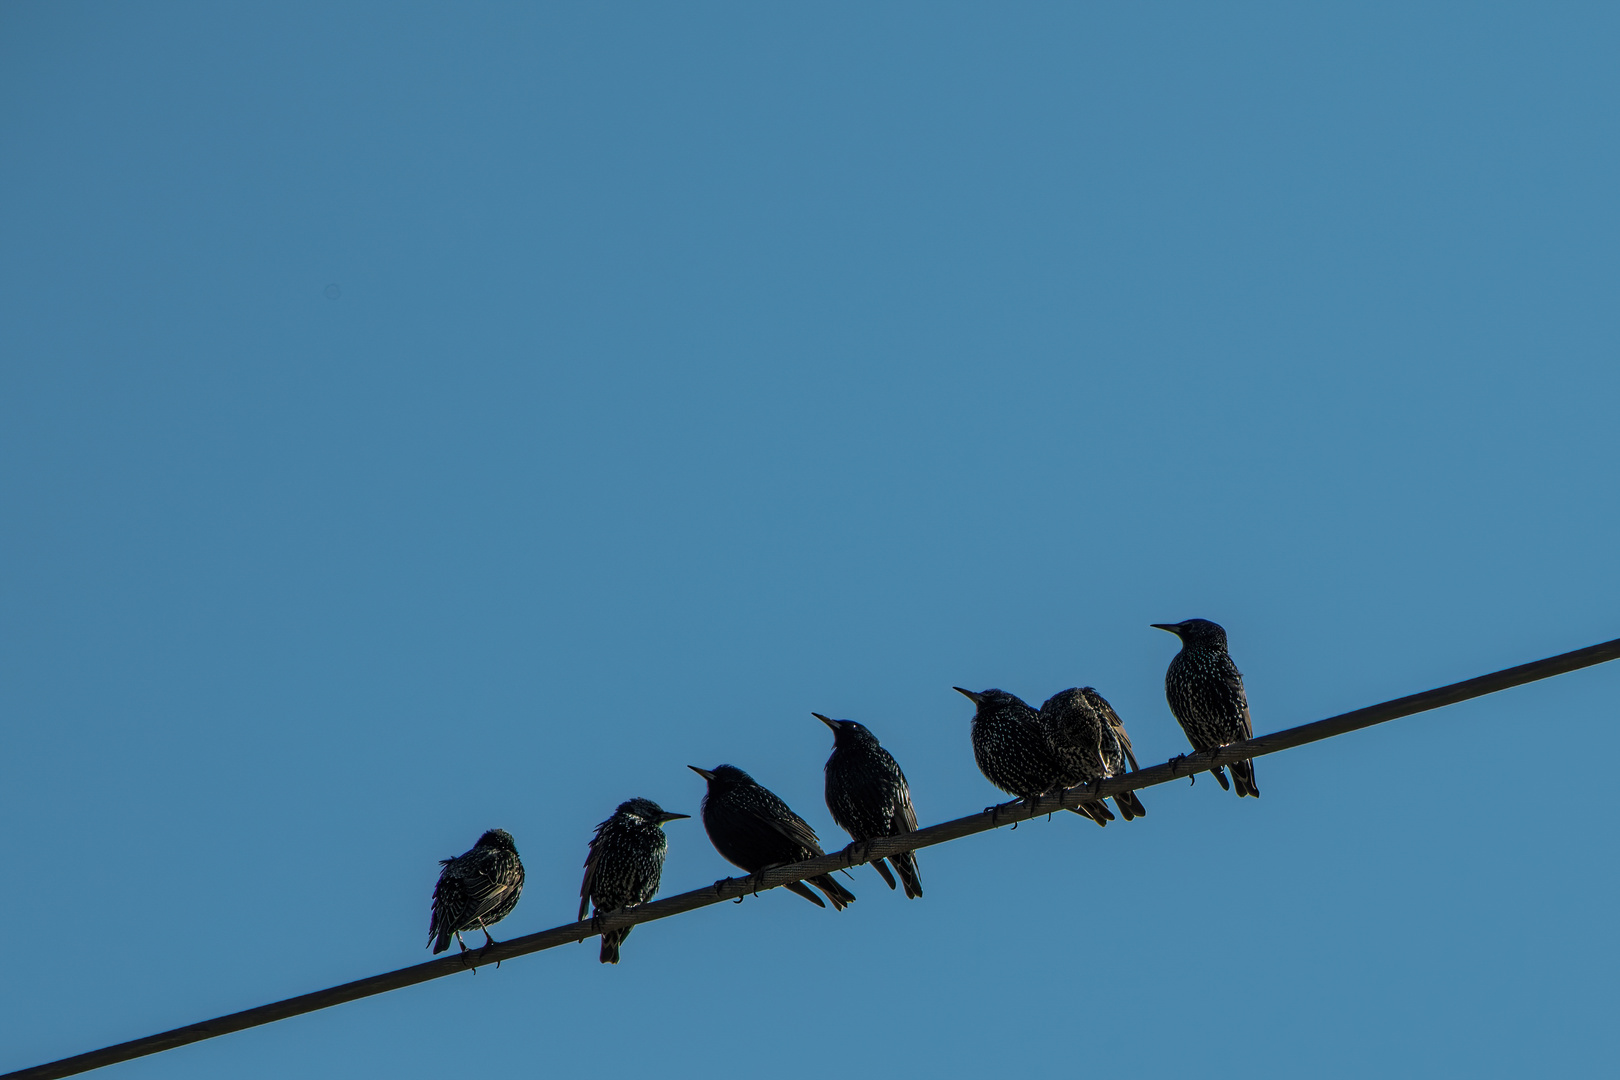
476	889
752	828
625	864
869	798
1089	743
1205	692
1012	752
1010	747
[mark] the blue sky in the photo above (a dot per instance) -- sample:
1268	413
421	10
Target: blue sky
689	370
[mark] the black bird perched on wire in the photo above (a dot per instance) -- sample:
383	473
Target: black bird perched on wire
624	865
869	798
755	830
1012	752
476	890
1205	691
1089	742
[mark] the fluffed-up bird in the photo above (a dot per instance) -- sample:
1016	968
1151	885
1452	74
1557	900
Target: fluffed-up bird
624	866
1205	692
1012	752
476	890
869	798
1089	742
752	828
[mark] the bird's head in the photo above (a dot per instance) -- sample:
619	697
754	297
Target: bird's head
1196	632
646	810
989	700
846	732
723	776
498	839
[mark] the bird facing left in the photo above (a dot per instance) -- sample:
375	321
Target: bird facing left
750	827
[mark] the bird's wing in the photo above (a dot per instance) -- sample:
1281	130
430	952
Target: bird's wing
1240	700
788	824
484	882
902	816
1073	724
590	871
905	815
1115	725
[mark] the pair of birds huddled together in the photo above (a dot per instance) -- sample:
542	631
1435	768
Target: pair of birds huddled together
1076	737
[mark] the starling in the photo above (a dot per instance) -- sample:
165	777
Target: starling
1011	750
868	796
476	890
625	863
755	830
1089	742
1205	691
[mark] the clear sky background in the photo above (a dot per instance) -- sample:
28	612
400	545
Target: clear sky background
416	419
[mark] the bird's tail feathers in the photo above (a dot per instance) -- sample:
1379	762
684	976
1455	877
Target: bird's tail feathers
882	868
804	890
1130	805
1096	811
1220	776
610	945
905	864
840	896
1243	778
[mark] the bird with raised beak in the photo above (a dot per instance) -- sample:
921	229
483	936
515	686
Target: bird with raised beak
869	798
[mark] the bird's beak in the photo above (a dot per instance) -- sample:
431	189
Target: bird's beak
829	721
1174	628
705	773
667	816
970	695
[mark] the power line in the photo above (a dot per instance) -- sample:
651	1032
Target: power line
731	888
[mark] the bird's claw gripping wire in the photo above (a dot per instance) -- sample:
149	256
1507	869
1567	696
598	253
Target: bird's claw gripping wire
462	955
858	852
488	941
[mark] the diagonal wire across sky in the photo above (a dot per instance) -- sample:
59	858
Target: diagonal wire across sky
735	888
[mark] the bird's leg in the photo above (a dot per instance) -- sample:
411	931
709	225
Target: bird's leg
858	852
488	941
1175	763
463	954
720	886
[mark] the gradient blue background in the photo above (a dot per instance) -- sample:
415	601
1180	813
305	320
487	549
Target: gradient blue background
694	369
